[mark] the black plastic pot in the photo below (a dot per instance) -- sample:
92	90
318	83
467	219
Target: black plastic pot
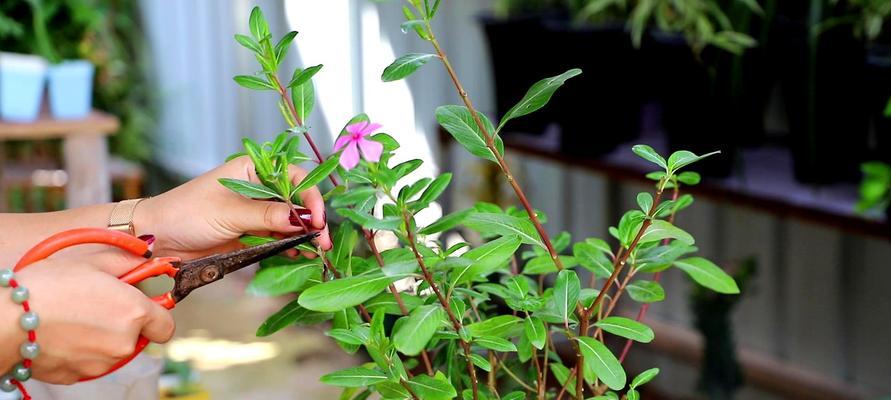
878	90
515	46
600	108
691	117
825	102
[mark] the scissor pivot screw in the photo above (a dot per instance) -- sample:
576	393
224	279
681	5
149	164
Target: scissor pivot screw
209	275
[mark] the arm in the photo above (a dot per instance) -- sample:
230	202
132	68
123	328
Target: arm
200	217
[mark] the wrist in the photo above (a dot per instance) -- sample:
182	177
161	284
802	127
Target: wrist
144	218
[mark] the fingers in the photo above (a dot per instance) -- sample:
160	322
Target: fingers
159	325
266	216
312	199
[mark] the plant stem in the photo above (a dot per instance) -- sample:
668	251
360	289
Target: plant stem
658	275
490	143
515	378
456	323
619	263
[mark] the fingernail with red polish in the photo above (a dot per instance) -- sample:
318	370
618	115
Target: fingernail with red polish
303	215
148	239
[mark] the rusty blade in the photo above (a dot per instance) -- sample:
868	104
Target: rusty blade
203	271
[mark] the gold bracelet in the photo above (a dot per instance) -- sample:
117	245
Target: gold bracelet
121	218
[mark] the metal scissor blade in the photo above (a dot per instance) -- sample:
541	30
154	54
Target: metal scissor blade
239	259
203	271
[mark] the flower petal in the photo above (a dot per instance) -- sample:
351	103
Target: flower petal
357	128
371	149
341	142
370	128
350	156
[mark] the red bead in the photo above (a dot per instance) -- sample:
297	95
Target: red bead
32	337
26	306
27	363
13	284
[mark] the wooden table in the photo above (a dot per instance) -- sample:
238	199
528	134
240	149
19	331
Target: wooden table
85	151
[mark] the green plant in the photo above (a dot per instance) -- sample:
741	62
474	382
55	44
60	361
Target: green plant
701	22
108	34
875	189
478	324
507	8
867	17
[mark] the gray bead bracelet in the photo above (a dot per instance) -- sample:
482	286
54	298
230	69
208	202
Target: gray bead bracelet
29	321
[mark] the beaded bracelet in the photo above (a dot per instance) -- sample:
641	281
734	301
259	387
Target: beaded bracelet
29	350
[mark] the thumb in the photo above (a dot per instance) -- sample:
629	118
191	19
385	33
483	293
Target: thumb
159	325
272	216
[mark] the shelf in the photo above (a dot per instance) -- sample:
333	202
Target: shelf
766	183
47	127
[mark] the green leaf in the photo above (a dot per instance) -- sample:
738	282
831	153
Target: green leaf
689	178
504	225
707	274
480	362
627	328
446	222
602	362
436	187
317	175
459	122
346	292
281	48
643	378
405	66
544	264
304	98
251	240
258	25
281	275
354	337
682	158
537	96
646	291
495	343
302	76
512	395
386	302
566	293
368	221
593	258
253	82
354	377
432	388
486	259
249	43
500	326
645	201
647	153
660	229
249	189
562	374
418	328
535	331
290	314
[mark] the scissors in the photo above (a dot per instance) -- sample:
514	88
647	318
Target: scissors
187	276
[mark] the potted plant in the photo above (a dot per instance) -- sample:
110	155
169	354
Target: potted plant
178	382
692	42
826	71
512	30
70	81
22	78
479	322
592	35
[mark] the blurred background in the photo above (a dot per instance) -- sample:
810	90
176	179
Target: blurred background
107	100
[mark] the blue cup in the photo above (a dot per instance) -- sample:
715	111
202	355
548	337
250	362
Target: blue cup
21	86
71	89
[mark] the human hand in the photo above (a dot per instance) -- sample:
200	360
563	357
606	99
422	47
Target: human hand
202	217
89	320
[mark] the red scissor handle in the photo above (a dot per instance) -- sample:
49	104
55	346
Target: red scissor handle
149	269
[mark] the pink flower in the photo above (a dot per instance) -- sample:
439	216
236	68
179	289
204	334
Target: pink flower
354	141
